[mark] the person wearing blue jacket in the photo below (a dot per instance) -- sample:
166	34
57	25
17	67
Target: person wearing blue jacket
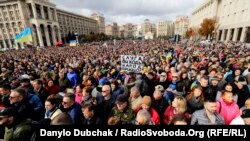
72	108
72	76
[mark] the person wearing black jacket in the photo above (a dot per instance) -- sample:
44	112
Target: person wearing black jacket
89	117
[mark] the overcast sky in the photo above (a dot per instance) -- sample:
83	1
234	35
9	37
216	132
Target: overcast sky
130	11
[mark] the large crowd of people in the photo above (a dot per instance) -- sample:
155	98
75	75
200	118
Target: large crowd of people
187	84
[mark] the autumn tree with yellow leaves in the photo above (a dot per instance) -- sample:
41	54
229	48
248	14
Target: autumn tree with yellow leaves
207	27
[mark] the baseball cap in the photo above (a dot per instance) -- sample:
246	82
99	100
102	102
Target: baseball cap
245	113
7	112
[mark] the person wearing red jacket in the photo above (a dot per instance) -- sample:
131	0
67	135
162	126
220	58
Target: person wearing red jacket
146	105
179	106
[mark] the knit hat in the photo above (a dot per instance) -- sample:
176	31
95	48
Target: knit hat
146	100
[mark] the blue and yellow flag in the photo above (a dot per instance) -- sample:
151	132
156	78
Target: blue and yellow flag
72	43
24	36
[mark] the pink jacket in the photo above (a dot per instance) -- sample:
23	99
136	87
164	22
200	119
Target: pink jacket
227	111
78	98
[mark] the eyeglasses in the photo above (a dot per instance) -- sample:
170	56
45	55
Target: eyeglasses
104	91
64	102
11	97
163	75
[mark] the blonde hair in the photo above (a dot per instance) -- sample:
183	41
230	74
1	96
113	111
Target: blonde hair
181	104
247	103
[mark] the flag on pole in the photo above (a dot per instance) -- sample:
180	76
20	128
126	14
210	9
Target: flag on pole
24	36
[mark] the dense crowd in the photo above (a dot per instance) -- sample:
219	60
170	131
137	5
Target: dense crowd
179	84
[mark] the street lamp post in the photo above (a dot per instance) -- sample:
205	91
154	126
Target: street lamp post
76	34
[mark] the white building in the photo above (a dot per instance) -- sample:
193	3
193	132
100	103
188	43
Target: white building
181	25
233	18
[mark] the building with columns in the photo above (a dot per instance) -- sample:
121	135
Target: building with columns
74	23
233	18
48	23
40	15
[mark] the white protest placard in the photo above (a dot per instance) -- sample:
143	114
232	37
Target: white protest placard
131	63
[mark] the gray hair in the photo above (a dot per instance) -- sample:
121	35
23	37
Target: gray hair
145	115
135	89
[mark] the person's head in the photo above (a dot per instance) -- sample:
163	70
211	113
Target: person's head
247	103
204	81
134	92
175	77
172	70
179	104
214	81
7	116
79	88
70	70
61	74
179	119
50	103
196	92
246	116
86	91
240	81
158	93
68	100
228	87
183	75
143	117
146	102
62	119
237	72
203	71
37	84
106	90
50	83
163	77
121	102
5	89
210	105
17	95
227	96
150	75
88	111
25	82
114	84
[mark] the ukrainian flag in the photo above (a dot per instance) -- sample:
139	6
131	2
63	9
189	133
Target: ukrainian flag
72	43
24	36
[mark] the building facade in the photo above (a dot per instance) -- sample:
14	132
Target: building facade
48	23
100	20
112	30
146	26
165	28
74	23
233	18
181	25
40	15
